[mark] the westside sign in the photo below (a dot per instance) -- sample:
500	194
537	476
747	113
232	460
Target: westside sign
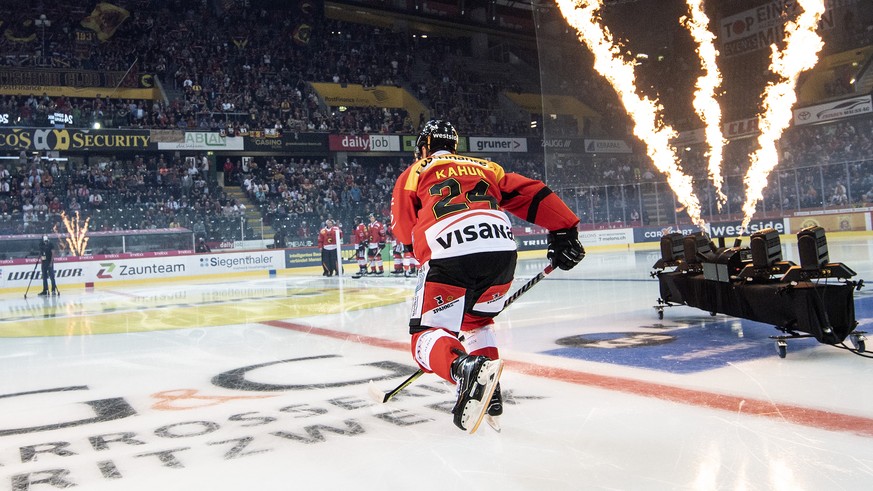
732	229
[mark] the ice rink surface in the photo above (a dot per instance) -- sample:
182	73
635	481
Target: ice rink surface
261	384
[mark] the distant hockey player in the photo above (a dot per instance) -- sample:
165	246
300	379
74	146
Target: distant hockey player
279	241
375	243
202	246
360	242
450	210
396	251
410	264
327	242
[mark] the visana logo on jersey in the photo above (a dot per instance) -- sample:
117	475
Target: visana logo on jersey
471	232
475	232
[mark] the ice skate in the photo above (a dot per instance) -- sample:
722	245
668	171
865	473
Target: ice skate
495	409
477	378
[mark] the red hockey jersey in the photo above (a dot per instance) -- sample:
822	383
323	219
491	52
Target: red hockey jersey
327	237
375	232
448	205
360	236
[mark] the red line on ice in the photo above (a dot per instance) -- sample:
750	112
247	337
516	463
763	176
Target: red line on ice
814	418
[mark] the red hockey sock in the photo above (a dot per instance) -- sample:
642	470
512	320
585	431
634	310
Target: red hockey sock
490	352
434	350
479	336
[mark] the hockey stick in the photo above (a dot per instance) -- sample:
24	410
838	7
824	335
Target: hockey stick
359	275
383	397
32	274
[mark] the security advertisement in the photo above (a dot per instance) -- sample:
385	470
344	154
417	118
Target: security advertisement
43	139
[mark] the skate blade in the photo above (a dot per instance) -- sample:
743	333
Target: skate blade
486	398
493	422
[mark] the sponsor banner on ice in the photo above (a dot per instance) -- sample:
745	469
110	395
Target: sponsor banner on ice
833	110
107	268
77	272
309	256
586	237
732	229
239	261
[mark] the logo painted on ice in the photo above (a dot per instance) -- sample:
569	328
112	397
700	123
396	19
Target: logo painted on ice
615	340
695	347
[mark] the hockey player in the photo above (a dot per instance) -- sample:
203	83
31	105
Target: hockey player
360	241
396	251
410	264
327	241
450	210
375	243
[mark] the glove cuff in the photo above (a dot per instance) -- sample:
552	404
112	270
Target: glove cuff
571	233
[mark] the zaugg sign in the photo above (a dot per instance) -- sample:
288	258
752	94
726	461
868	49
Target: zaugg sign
54	139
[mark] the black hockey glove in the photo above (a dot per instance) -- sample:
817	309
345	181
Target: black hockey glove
381	245
565	250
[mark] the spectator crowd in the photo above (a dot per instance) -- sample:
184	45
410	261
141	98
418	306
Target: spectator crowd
229	67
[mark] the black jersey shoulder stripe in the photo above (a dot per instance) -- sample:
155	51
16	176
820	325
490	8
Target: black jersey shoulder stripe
509	196
535	203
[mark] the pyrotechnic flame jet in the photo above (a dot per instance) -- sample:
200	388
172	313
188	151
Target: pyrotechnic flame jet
705	103
645	113
800	53
77	233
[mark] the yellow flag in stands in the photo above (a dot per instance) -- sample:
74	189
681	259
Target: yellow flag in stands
105	19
